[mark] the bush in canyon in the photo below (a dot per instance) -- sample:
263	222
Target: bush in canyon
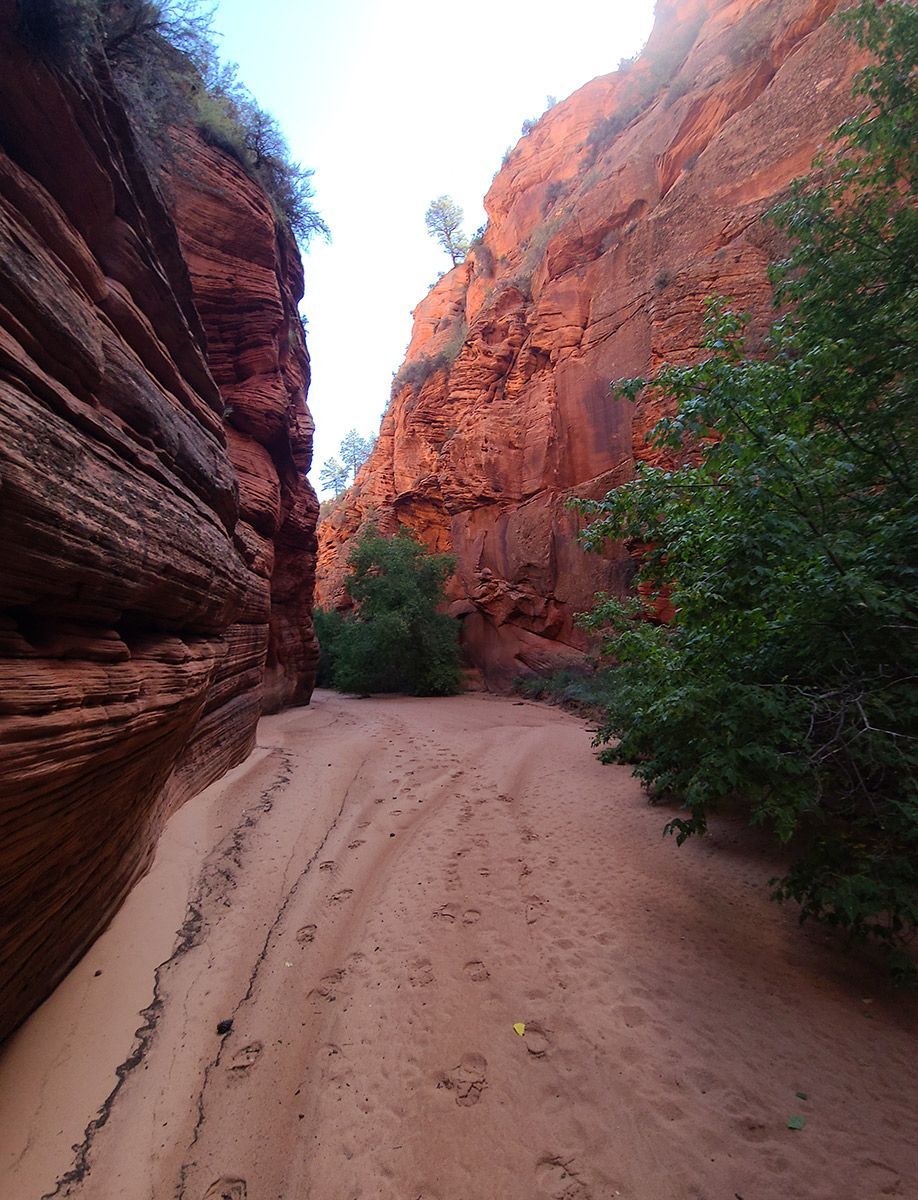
588	689
398	640
328	625
784	535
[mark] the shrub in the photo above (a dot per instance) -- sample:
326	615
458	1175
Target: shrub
228	116
605	129
553	194
587	689
484	257
454	342
328	624
163	59
414	374
396	641
61	31
677	89
785	541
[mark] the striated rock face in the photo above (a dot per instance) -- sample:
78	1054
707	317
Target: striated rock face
156	525
610	224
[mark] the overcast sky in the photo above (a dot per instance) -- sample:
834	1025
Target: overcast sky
393	104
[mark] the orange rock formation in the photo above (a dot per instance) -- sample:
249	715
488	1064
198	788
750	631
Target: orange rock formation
156	583
609	225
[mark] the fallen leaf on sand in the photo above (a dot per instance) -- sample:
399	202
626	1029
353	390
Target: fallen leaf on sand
796	1122
520	1028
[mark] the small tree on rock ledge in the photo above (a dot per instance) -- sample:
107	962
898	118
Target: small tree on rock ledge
444	223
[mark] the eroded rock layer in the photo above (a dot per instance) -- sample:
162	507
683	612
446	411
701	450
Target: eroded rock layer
609	225
157	529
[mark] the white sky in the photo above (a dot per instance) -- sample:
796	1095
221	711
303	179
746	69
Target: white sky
394	103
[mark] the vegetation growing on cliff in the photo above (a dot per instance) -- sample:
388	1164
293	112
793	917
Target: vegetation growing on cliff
164	61
337	474
417	370
444	224
785	538
397	640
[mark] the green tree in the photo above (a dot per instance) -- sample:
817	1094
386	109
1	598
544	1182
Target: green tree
397	640
444	223
328	625
333	476
354	451
785	536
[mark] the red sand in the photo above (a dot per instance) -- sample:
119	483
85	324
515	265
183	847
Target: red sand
377	896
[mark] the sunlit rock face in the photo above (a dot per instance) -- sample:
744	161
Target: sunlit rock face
158	533
609	225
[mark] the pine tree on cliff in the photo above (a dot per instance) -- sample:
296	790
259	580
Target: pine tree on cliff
333	476
444	223
354	451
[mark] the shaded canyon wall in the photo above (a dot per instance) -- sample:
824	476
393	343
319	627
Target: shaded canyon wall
609	225
157	529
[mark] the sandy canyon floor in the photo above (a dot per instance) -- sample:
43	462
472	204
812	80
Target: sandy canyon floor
374	900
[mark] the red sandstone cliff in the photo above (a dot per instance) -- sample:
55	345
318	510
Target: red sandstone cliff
629	204
156	525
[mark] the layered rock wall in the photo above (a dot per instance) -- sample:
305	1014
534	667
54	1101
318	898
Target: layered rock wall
156	526
608	226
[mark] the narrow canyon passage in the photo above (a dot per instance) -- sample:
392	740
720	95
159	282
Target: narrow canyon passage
377	896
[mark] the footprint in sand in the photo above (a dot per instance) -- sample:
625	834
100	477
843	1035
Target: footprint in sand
306	935
421	972
559	1180
446	912
329	984
355	844
246	1057
632	1016
467	1080
477	971
226	1189
471	916
340	897
534	906
537	1040
328	865
529	835
357	963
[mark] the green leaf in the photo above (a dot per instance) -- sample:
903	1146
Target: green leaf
796	1122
